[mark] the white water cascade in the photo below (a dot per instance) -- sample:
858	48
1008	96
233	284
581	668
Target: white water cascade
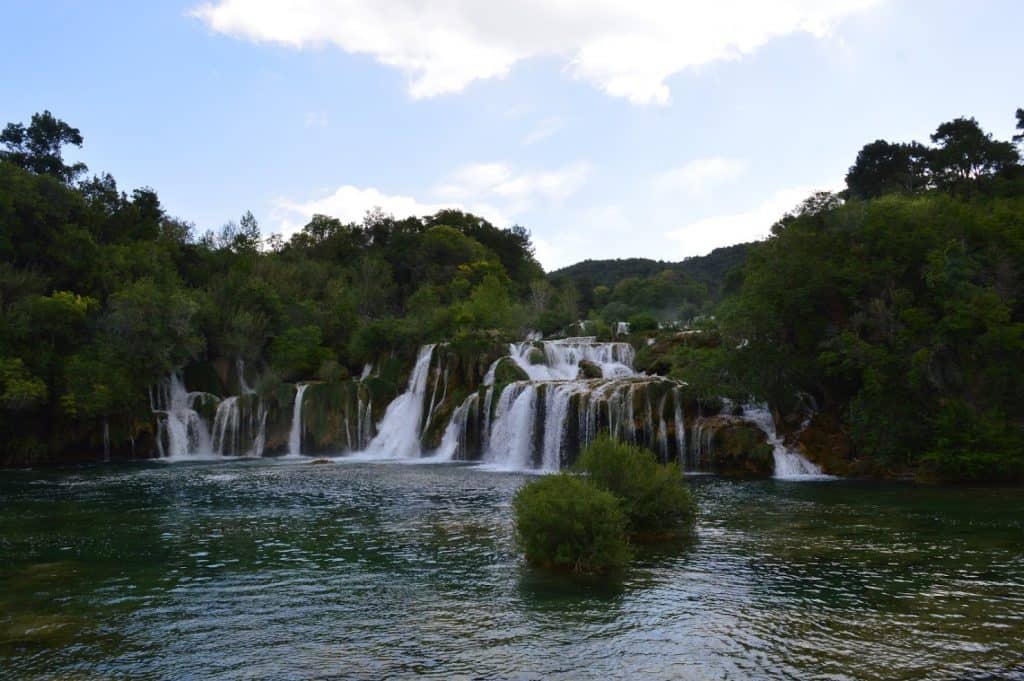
181	431
398	435
560	359
295	434
789	465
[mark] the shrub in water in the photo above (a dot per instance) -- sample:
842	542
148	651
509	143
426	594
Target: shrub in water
565	521
656	502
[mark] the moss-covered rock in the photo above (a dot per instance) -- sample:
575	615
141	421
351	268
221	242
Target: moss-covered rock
739	449
507	371
590	369
826	442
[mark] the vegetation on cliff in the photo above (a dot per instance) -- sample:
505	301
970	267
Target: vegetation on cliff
896	306
102	293
892	309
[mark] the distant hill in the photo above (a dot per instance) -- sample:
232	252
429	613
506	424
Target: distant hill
709	269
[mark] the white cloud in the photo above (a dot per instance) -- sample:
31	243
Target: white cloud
517	191
700	175
627	48
703	236
349	204
543	130
494	191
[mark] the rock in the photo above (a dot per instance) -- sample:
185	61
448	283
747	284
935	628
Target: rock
589	369
826	442
319	461
739	449
508	371
536	356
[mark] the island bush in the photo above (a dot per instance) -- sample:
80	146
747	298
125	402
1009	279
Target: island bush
656	502
567	522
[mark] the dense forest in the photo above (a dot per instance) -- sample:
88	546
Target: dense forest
675	291
893	308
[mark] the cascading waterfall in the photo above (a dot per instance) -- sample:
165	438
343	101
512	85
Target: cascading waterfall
511	442
181	431
106	440
398	435
562	358
295	434
226	427
243	386
789	465
454	438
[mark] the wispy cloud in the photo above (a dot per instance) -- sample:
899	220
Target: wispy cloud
495	191
543	130
626	48
702	236
701	174
517	190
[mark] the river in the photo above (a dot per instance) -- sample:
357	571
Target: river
286	570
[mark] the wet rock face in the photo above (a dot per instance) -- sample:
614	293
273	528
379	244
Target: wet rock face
536	356
739	450
826	442
507	371
590	369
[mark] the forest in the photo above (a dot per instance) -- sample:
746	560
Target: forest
893	307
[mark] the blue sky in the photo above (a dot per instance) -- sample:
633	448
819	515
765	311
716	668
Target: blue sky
609	129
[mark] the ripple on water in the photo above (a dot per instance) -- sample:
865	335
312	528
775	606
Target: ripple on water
255	569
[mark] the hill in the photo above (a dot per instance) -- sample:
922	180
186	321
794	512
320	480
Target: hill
709	270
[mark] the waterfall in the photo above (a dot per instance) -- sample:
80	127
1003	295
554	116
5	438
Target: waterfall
512	433
295	435
106	440
453	442
789	465
398	435
226	427
542	423
680	426
561	358
260	423
243	386
181	431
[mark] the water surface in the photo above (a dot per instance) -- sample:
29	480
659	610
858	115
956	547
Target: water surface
271	570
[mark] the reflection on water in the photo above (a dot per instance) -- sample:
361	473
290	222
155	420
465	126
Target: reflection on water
268	570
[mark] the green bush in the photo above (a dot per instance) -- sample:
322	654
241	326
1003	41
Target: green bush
656	502
564	521
642	321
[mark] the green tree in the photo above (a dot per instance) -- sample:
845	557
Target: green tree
654	497
564	521
37	147
882	167
966	152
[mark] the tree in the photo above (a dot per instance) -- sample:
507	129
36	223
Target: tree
1019	137
882	168
966	152
37	148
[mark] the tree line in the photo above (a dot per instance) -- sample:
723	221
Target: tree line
896	307
103	293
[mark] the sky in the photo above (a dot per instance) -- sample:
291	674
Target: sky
608	128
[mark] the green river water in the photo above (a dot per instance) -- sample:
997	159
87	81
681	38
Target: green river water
286	570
